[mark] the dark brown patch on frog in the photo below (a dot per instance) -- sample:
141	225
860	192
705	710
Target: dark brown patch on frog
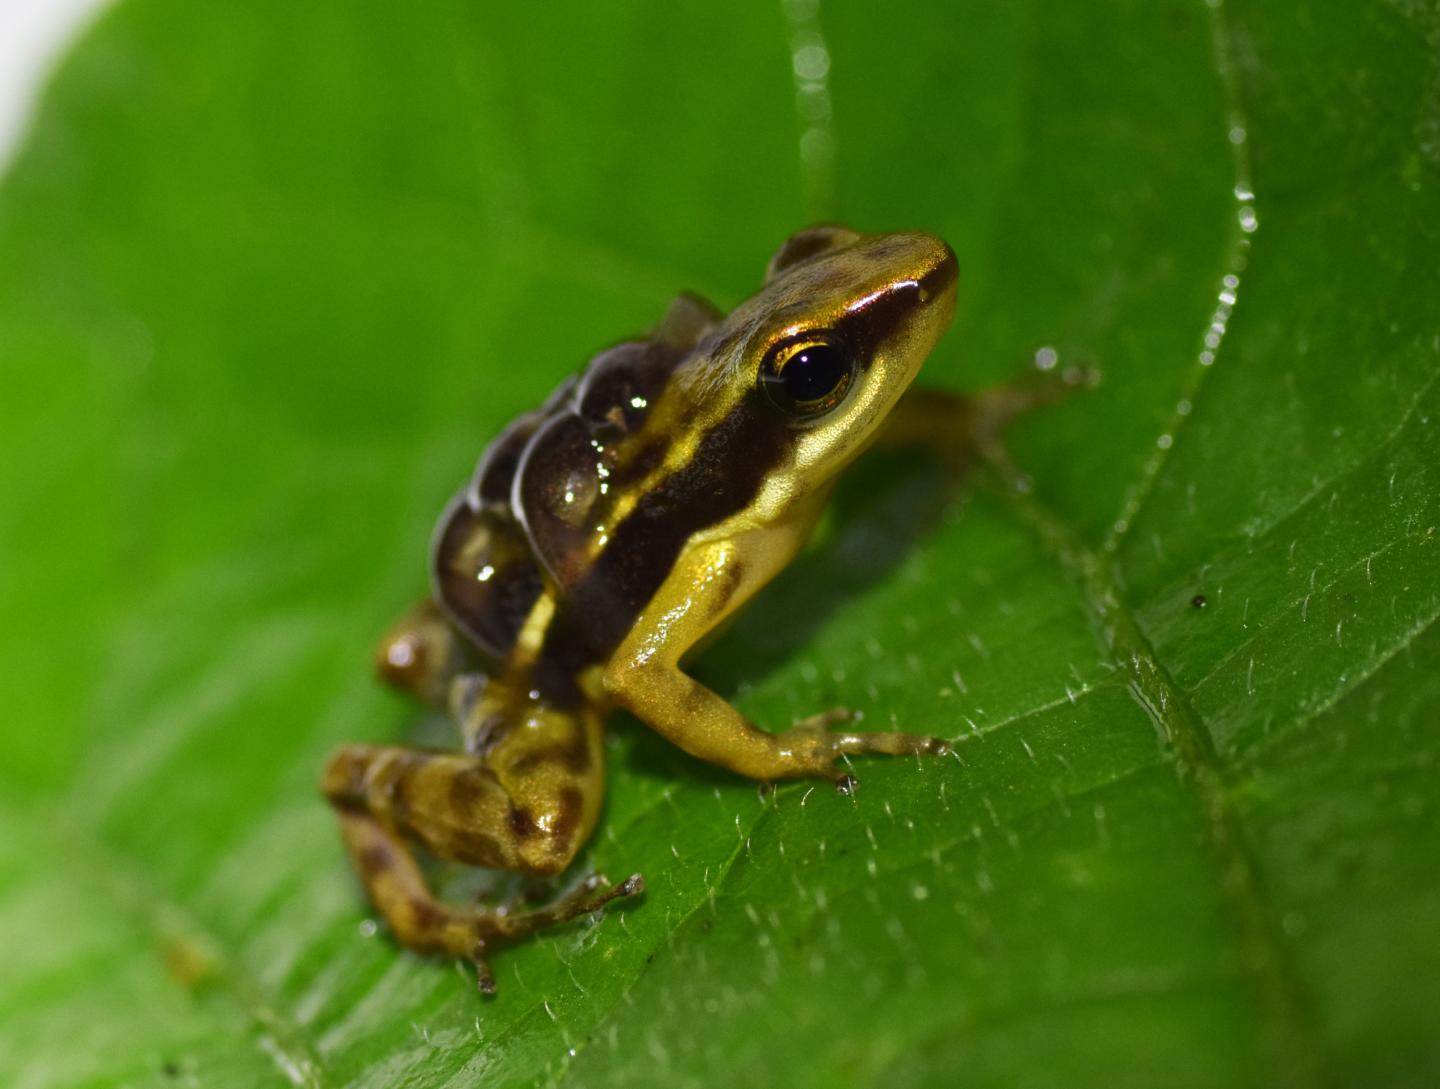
522	825
343	783
375	858
806	244
491	481
570	471
475	847
567	817
464	794
620	385
348	804
941	277
395	789
559	482
423	915
868	328
485	578
634	466
561	658
478	531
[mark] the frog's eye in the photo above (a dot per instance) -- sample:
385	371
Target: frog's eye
807	375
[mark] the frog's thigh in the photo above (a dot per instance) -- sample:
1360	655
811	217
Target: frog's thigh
519	808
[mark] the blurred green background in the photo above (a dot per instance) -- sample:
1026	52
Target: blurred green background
270	276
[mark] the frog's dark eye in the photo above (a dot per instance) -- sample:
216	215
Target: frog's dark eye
807	375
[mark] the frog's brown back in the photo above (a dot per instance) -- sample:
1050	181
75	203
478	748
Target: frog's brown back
588	454
530	513
483	573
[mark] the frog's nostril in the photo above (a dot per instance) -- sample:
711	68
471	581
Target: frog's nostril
942	275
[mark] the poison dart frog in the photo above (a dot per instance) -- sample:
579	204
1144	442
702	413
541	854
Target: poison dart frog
603	536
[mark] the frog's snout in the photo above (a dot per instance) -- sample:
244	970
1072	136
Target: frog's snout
943	275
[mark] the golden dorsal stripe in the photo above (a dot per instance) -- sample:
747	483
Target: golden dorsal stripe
681	424
531	639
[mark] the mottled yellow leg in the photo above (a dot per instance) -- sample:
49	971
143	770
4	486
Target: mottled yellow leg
455	806
527	804
420	922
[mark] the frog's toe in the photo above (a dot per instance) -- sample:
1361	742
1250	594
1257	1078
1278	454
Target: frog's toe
592	894
824	720
484	978
894	743
901	744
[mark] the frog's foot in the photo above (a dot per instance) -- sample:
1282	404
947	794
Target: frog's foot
815	746
487	928
590	895
993	409
960	428
426	924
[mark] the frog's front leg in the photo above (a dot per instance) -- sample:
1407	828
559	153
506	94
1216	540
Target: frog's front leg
526	802
958	426
645	677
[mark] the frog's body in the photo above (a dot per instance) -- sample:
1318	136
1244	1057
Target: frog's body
603	536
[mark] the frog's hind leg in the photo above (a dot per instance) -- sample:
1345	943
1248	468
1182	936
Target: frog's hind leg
421	922
525	800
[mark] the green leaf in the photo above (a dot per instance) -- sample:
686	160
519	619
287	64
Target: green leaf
273	273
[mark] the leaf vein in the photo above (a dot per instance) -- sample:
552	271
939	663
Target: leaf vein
1294	1038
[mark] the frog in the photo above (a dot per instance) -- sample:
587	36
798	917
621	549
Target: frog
604	537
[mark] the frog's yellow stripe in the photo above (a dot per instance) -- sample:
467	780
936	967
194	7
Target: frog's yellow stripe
532	632
728	466
672	416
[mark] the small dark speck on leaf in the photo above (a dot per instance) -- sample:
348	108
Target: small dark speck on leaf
170	1068
1199	601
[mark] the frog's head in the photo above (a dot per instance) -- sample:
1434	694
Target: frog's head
824	351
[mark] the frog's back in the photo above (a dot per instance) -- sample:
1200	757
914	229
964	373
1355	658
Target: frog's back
532	517
483	573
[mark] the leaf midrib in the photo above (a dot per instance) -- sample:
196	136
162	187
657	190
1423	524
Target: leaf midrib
1294	1036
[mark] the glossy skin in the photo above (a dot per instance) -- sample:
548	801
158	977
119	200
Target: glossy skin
602	537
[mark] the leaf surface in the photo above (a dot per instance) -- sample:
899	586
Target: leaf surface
274	273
